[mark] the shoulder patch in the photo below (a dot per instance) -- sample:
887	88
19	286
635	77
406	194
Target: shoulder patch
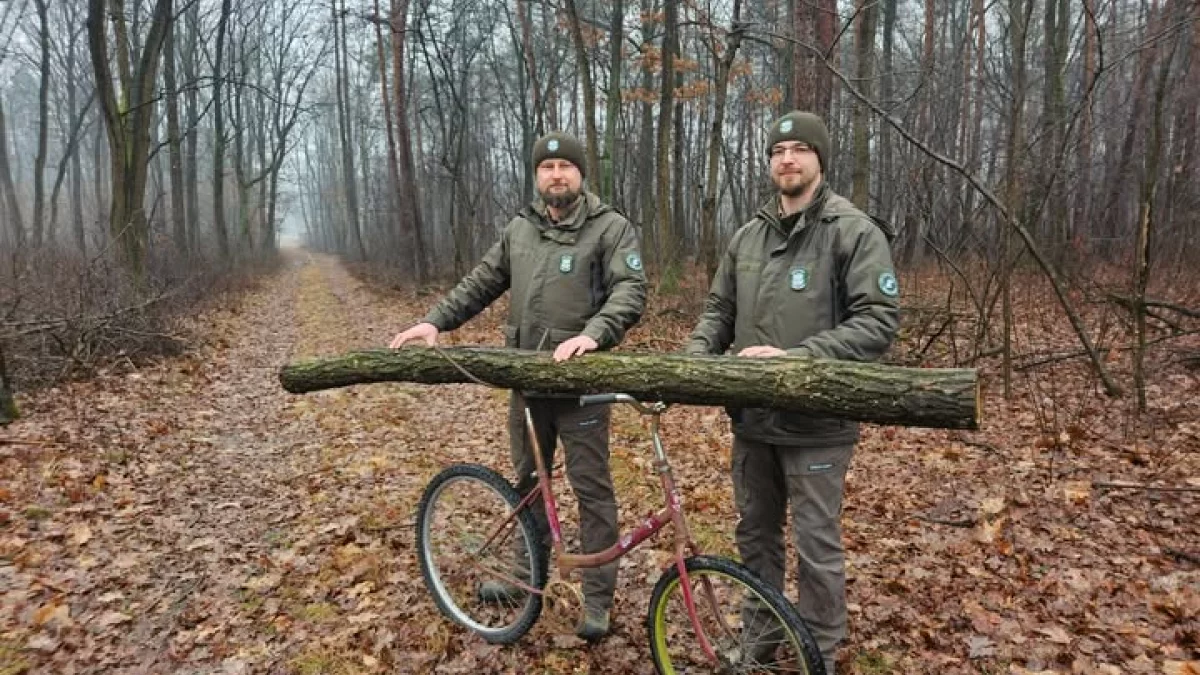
888	285
633	261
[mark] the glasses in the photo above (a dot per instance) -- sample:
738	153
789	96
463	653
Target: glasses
798	149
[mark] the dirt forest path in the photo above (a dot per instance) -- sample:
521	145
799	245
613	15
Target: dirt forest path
192	517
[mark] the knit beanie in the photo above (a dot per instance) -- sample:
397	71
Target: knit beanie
559	145
804	127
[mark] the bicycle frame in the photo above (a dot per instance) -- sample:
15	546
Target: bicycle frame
671	513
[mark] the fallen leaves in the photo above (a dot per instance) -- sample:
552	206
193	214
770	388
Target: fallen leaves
155	524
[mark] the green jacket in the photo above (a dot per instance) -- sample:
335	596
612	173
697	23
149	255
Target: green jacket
819	284
581	276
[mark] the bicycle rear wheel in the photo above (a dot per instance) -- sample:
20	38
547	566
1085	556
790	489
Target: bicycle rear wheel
463	542
751	626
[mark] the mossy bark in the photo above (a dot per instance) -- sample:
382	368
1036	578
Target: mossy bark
8	407
869	392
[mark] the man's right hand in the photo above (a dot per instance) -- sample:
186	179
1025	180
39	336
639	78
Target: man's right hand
422	331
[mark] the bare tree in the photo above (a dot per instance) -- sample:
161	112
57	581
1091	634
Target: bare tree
667	241
224	249
128	116
724	58
39	162
589	90
410	196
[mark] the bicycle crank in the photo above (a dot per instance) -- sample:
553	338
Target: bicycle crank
563	601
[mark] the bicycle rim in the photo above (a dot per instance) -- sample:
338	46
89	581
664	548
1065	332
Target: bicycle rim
750	626
461	548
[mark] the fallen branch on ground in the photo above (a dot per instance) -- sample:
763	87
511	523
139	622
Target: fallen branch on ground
1142	486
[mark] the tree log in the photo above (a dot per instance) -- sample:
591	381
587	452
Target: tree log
945	398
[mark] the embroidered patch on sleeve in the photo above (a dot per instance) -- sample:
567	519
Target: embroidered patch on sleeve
888	285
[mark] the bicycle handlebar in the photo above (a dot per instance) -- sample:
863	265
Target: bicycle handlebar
597	399
644	408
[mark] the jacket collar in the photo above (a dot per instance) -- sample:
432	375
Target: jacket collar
589	206
818	207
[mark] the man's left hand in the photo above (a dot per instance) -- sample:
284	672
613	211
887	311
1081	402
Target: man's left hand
762	351
580	344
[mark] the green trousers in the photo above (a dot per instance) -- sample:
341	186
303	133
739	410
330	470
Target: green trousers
768	480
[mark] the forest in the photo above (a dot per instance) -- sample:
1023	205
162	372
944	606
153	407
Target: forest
195	193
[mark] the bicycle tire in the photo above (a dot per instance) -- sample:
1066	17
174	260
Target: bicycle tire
676	649
459	509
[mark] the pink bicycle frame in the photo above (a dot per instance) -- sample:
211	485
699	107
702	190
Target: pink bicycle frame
671	513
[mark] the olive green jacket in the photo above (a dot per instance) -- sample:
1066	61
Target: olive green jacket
824	287
580	276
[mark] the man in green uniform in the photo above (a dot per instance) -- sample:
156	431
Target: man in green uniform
575	273
809	276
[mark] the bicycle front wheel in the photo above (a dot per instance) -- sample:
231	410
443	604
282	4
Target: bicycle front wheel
475	553
751	627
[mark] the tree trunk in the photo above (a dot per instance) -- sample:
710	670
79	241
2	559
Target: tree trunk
887	87
410	197
716	138
191	175
1020	11
75	178
16	227
1147	214
395	223
1083	193
613	109
39	161
589	91
128	119
218	168
8	407
869	392
666	240
345	126
175	149
865	55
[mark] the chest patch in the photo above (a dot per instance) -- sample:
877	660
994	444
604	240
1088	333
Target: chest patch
798	279
566	263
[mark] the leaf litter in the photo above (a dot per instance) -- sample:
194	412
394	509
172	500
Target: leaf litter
191	517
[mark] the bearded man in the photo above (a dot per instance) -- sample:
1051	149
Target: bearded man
575	273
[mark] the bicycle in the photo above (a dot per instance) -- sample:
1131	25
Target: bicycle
706	614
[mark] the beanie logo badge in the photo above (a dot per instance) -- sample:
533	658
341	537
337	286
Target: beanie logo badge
552	145
799	278
888	284
785	127
566	263
634	262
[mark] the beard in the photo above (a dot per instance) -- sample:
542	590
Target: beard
559	200
794	189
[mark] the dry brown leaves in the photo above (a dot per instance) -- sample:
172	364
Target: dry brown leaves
192	517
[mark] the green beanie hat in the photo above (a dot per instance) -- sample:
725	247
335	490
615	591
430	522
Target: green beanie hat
804	127
559	145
